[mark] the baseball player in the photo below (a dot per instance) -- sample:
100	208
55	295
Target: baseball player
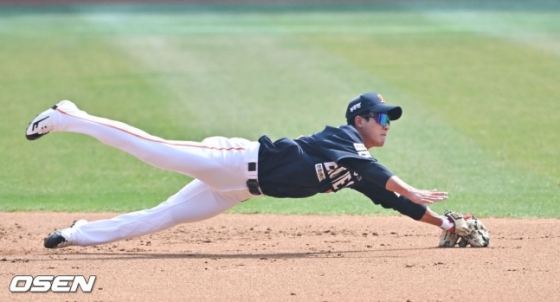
228	171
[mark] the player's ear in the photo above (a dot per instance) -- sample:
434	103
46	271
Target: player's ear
359	121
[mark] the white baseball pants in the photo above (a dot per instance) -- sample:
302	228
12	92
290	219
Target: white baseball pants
219	165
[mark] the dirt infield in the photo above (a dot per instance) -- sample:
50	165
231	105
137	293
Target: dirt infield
58	2
289	258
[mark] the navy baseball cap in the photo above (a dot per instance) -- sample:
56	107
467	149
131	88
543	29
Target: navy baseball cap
371	102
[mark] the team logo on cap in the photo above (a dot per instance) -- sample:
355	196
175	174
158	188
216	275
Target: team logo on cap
356	107
381	98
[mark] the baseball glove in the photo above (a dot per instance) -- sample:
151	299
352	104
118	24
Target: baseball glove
468	230
448	239
479	234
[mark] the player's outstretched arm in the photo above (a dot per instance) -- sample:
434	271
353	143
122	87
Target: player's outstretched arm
398	186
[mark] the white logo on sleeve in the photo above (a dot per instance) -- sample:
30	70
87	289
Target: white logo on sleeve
360	147
362	150
320	172
364	154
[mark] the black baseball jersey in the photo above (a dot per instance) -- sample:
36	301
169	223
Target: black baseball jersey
324	162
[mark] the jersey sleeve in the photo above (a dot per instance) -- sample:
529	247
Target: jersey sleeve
372	170
335	144
337	148
391	200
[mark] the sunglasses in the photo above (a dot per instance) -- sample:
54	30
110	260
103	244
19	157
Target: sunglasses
381	118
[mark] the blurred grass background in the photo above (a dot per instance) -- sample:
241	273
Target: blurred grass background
478	83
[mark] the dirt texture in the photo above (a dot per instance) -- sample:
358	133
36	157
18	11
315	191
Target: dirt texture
289	258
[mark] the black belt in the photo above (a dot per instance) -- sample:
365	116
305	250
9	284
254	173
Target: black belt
253	183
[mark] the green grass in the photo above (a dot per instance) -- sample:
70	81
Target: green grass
478	83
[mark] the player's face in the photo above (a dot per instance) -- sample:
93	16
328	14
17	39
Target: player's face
373	130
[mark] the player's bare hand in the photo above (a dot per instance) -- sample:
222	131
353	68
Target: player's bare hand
426	196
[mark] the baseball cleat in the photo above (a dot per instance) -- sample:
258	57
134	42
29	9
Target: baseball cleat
44	123
57	239
62	238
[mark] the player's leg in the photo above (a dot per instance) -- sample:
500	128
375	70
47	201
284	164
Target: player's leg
196	201
216	161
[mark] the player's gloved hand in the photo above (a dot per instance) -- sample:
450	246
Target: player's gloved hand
467	230
461	227
448	239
